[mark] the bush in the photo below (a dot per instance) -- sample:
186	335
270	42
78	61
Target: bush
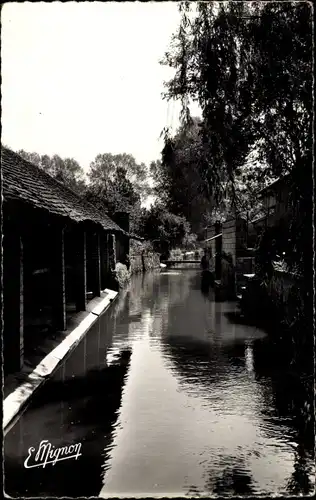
122	274
176	254
137	247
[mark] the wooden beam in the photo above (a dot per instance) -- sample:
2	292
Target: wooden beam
218	252
104	259
58	278
112	251
95	264
13	303
80	269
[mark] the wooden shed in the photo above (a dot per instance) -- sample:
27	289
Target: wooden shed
57	251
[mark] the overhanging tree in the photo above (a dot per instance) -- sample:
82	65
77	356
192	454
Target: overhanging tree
118	183
160	225
105	167
66	170
178	182
249	66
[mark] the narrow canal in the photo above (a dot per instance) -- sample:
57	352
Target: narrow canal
168	395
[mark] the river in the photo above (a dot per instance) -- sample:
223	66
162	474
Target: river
169	395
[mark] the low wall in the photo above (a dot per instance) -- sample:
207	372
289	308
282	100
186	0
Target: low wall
229	238
145	262
285	292
142	257
211	243
20	386
138	264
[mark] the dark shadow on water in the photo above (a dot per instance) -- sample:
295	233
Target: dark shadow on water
196	363
237	318
292	391
206	282
94	403
230	479
288	399
91	384
205	289
300	482
293	402
233	481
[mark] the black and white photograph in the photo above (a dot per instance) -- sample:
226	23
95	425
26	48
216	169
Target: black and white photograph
158	249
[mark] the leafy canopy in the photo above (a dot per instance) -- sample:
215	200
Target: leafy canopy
106	168
67	170
160	225
249	67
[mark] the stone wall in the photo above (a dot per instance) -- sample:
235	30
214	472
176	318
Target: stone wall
211	244
229	238
142	257
122	274
146	262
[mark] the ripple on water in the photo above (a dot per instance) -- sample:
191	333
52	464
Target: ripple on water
197	408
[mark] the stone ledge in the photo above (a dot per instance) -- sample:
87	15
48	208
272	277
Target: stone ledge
26	382
98	304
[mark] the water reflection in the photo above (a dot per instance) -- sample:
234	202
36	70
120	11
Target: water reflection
198	402
79	405
249	356
173	397
233	479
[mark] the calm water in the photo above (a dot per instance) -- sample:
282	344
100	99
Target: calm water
168	395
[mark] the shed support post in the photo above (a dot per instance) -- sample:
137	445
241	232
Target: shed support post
13	303
104	259
112	251
58	279
96	265
81	271
218	252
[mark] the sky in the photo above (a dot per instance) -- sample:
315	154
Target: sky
79	79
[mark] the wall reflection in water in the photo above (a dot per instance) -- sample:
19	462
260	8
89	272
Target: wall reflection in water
170	396
79	405
198	416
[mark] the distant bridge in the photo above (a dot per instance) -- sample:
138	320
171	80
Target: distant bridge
174	262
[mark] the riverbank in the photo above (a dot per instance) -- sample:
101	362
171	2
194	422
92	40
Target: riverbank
20	387
166	376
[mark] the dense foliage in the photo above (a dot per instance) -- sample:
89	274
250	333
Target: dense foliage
249	66
117	183
178	183
107	168
67	170
160	225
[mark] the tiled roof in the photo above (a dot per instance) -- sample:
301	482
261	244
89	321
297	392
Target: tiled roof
23	181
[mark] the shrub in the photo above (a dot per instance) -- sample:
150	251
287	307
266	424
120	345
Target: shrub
122	274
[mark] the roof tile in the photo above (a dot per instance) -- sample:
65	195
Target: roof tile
23	181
